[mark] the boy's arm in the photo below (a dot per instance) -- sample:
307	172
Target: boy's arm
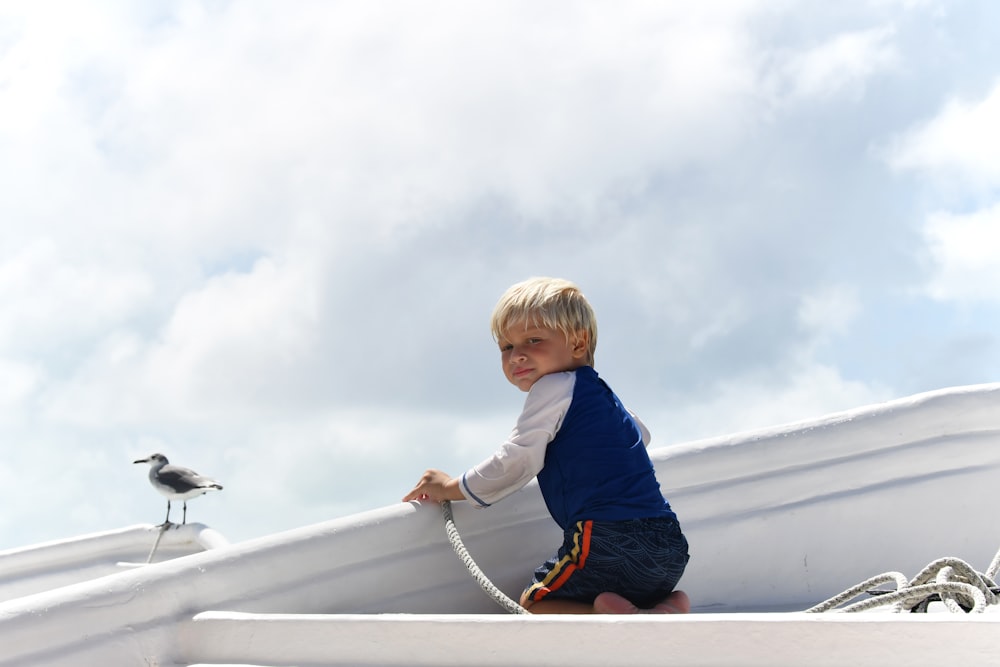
522	456
436	486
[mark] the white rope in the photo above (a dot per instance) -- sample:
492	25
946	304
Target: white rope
477	574
950	580
163	527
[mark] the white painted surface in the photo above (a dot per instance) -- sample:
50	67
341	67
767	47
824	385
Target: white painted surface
778	519
698	640
43	567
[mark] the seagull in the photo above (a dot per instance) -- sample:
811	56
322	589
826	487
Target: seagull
176	483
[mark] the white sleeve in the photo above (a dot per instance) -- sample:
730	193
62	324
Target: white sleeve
522	456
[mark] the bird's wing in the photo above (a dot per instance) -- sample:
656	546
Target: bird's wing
184	479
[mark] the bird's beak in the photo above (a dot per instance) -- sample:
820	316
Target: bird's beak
141	461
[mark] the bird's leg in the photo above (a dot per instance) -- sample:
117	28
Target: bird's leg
185	513
166	522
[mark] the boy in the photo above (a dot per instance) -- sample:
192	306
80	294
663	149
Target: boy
623	549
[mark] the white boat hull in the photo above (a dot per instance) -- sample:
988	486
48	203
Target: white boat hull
778	519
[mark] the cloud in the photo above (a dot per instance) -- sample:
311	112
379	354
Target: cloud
807	388
417	127
956	150
20	380
241	339
842	64
44	286
960	144
965	251
830	311
266	241
793	384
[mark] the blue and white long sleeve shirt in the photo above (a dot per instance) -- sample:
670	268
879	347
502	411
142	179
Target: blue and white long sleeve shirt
587	450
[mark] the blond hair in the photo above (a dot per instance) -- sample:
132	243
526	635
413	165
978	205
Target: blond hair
552	303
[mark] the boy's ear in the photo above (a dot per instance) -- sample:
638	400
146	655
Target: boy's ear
581	343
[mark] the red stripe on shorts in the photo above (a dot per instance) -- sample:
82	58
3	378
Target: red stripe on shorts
569	564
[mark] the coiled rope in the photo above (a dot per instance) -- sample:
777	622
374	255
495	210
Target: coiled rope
949	580
477	574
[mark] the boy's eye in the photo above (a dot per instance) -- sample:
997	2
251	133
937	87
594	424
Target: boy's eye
505	347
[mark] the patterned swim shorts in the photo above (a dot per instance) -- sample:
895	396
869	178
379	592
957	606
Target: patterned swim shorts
640	559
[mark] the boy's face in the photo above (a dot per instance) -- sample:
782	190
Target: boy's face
529	353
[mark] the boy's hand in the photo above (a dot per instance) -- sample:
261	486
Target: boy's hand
436	486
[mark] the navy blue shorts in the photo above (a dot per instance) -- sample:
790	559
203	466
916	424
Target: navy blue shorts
640	559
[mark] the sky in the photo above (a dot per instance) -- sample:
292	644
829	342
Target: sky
265	239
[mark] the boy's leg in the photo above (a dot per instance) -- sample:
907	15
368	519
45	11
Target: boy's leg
612	603
589	564
559	607
609	603
677	602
